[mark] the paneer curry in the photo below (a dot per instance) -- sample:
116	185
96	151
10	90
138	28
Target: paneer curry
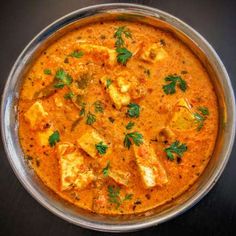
118	117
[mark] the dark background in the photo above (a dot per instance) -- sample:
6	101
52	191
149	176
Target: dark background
20	21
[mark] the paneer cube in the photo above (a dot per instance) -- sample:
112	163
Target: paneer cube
43	136
35	115
183	117
73	172
88	142
123	84
119	98
119	176
154	53
150	168
90	48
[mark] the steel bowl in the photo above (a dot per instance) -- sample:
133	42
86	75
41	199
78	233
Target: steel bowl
130	12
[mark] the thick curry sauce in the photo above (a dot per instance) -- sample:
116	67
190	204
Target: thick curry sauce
118	117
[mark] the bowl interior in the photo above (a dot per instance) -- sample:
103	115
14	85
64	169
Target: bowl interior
125	12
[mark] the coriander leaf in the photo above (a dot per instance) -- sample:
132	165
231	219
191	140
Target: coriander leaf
199	120
63	79
108	83
113	195
176	148
129	125
47	72
123	55
174	81
101	148
54	138
128	197
82	111
118	35
204	111
98	106
134	110
136	138
77	54
105	170
69	95
91	118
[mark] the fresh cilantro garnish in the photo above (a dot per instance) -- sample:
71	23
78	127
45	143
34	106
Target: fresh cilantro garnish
82	111
108	83
129	125
47	72
114	196
91	118
105	170
77	54
175	148
204	111
174	80
134	137
69	95
63	79
134	110
118	35
98	106
123	55
54	138
101	148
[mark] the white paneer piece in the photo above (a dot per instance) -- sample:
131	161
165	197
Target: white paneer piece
35	114
121	177
150	168
73	173
117	92
88	142
154	53
183	117
43	136
90	48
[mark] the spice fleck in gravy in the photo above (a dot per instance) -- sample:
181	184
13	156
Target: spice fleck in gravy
118	117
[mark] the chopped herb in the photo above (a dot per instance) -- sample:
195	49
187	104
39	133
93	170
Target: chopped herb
147	72
176	148
129	125
111	119
114	196
108	83
199	120
136	137
98	106
134	110
63	79
174	80
101	148
91	118
77	54
118	35
128	197
105	170
123	55
204	111
69	95
47	72
82	111
54	138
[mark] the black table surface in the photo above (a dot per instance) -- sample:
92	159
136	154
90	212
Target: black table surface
20	21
